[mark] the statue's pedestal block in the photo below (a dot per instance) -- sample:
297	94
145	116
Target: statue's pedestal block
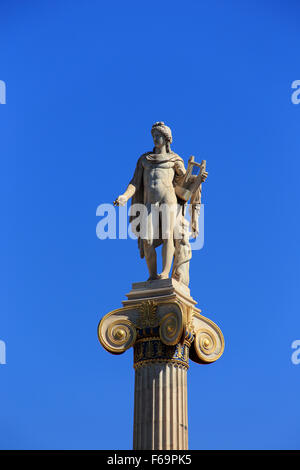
161	322
158	290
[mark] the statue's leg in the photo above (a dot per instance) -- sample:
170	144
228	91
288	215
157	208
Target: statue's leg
168	242
167	257
151	259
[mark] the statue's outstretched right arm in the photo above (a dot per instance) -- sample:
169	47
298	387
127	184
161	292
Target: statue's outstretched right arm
123	198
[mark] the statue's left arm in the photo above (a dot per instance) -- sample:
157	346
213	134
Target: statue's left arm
180	171
179	168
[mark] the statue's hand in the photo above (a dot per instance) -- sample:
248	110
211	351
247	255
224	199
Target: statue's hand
204	176
121	201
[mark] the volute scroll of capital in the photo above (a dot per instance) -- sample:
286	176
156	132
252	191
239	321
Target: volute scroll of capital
171	323
117	331
208	344
171	328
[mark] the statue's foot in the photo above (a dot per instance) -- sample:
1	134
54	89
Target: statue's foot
163	275
153	278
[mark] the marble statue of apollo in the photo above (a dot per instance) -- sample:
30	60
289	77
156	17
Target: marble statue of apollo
153	186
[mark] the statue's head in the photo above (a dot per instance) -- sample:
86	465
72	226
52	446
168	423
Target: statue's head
162	135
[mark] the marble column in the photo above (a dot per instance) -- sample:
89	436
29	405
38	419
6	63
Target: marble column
162	324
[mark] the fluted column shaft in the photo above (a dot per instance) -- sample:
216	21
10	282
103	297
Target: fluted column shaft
160	411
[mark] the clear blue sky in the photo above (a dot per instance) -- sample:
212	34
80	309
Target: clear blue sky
85	82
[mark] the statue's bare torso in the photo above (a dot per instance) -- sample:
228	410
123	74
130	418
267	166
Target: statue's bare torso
158	179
